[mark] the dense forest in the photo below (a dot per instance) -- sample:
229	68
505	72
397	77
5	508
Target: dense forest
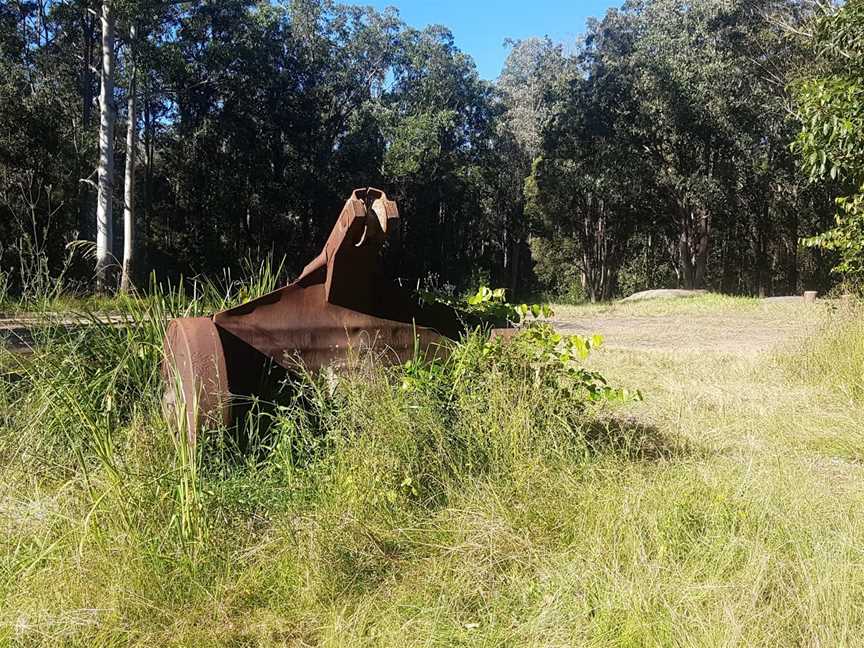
658	151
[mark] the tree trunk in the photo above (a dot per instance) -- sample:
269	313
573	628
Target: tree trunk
514	267
599	256
589	282
693	244
685	256
513	247
148	157
129	181
85	213
792	249
104	211
701	255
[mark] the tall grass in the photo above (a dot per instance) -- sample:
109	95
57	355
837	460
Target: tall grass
701	305
47	293
834	358
438	503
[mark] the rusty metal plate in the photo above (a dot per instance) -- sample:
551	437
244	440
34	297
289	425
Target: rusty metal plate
342	304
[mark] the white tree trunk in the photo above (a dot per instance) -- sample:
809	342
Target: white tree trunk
104	226
129	180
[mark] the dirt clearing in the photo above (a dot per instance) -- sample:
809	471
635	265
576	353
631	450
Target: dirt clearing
742	326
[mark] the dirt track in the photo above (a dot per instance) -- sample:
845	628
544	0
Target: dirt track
19	333
752	330
744	330
15	334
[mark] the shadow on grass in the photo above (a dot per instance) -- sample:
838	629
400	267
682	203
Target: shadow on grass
632	440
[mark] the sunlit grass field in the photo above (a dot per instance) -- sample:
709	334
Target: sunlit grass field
725	509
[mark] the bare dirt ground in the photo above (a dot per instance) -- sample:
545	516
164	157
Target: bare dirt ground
698	324
15	334
19	333
740	327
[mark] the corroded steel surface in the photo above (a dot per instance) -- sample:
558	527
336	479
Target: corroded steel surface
195	374
340	305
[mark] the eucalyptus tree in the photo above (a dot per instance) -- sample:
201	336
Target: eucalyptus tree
129	173
105	168
585	190
438	125
344	55
123	16
674	125
661	142
688	75
757	244
44	145
268	124
532	69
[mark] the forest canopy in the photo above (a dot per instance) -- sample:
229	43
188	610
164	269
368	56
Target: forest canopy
657	151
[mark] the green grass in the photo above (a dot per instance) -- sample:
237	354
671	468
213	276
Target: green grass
837	353
727	509
711	303
52	295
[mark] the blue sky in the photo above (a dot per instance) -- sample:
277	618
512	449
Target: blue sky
480	26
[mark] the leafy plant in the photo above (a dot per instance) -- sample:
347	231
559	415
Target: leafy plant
556	360
846	237
491	306
831	140
536	355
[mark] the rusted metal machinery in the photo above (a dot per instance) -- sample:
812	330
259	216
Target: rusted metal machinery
340	304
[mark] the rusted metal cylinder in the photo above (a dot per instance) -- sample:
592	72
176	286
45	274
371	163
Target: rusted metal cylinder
195	376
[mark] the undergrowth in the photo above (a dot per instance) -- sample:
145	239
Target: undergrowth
112	524
505	495
834	358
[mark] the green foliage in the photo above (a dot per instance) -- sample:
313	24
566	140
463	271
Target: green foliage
417	142
668	147
846	238
830	107
532	69
490	307
555	269
831	111
660	133
647	267
535	355
493	304
556	361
